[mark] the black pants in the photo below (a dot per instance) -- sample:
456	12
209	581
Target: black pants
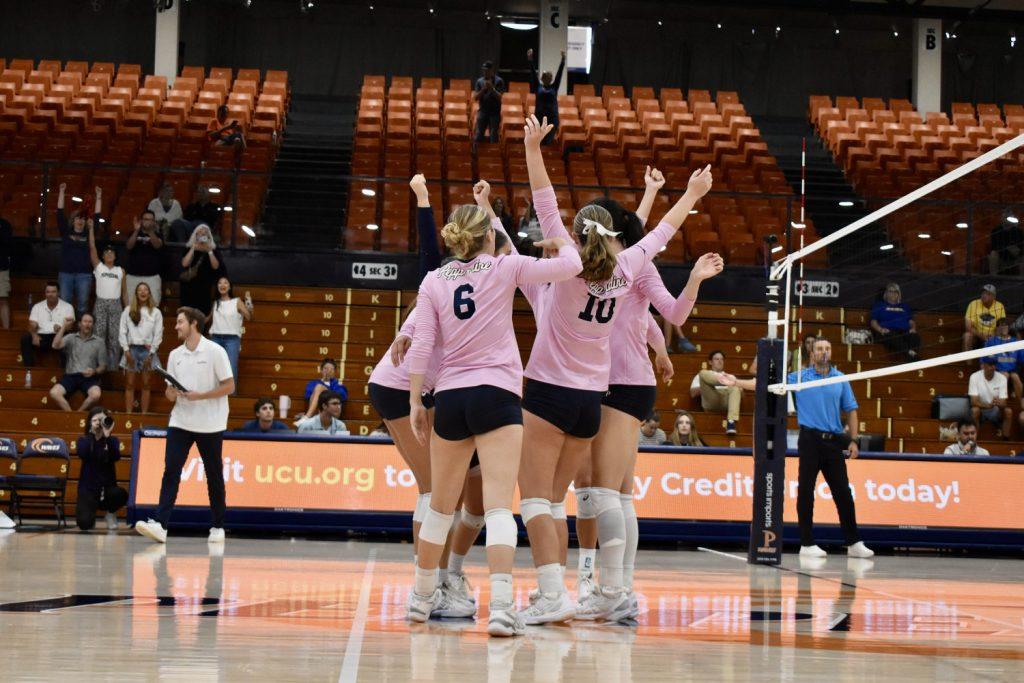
107	499
487	122
179	443
818	454
902	343
28	352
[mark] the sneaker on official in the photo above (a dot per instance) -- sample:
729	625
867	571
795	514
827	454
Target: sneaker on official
584	587
812	551
452	605
504	620
549	608
111	520
607	604
858	549
152	530
216	535
420	606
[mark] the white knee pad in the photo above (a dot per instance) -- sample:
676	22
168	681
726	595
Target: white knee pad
534	507
558	510
471	520
501	527
435	527
585	503
422	505
610	521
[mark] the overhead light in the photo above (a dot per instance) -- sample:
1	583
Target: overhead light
895	34
961	225
372	226
1012	219
753	31
777	249
367	192
227	209
248	231
837	32
1013	40
248	3
103	220
518	26
846	203
718	25
214	190
522	234
659	22
117	232
924	235
946	252
947	35
371	8
694	211
886	247
798	226
663	249
76	199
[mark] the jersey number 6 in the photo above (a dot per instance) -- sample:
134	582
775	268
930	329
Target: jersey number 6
463	306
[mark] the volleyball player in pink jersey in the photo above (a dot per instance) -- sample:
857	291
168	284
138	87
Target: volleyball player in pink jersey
567	374
465	309
630	399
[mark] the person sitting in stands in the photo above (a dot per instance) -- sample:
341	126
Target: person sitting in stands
685	432
328	381
97	482
45	320
966	439
650	433
264	422
328	421
86	360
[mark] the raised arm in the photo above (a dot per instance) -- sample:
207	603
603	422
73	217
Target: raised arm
482	196
62	219
534	73
653	181
426	226
565	265
93	254
557	83
544	200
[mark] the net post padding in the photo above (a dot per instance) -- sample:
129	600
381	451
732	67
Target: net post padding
769	456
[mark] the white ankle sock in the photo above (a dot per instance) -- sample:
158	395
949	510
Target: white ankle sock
426	581
549	578
585	563
455	563
501	588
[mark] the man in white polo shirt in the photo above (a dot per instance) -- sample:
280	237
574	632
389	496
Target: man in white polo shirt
199	416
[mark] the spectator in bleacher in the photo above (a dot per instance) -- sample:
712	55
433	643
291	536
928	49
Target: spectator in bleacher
46	319
966	439
684	433
328	421
139	335
501	211
225	132
714	397
86	360
201	267
201	210
488	91
980	318
227	315
651	433
1007	362
328	382
144	245
110	293
547	95
380	431
893	322
988	392
6	235
97	482
264	421
682	344
165	208
1006	244
75	275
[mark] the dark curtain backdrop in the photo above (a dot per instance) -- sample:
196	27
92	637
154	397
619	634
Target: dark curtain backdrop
328	50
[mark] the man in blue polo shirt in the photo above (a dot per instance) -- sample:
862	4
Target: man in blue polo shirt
821	449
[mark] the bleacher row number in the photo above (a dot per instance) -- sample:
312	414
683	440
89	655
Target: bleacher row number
327	315
273	386
280	348
277	367
323	351
325	333
284	331
328	297
285	312
287	295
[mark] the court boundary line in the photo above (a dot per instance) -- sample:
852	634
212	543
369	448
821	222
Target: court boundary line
886	594
354	647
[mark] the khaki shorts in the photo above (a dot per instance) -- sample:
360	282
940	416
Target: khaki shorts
5	284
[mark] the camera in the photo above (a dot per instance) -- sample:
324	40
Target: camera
202	239
108	422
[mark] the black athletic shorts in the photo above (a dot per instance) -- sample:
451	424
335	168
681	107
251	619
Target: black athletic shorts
393	404
632	399
469	411
577	412
76	381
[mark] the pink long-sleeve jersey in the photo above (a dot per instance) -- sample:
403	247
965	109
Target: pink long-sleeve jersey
387	374
572	346
630	362
465	308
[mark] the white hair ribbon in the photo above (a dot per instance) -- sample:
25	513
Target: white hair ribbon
601	230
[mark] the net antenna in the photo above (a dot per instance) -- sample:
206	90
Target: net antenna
782	270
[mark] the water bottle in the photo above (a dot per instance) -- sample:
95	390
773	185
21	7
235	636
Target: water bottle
28	379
